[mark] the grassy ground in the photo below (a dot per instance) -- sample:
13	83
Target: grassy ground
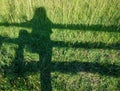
80	37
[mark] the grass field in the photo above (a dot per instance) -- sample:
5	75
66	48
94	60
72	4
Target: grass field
59	45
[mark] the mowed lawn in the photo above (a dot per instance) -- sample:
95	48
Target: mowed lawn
63	45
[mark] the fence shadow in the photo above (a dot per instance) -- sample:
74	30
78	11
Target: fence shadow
74	67
39	42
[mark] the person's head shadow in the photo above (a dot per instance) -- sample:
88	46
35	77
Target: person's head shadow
40	13
40	18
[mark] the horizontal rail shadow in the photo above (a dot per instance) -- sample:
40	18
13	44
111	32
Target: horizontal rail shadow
73	67
86	45
81	27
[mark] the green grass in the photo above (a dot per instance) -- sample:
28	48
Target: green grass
85	44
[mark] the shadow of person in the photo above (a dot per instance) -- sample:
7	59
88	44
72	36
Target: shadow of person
39	42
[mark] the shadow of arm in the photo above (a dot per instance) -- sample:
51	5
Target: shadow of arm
110	28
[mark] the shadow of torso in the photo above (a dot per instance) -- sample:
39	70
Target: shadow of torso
40	36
